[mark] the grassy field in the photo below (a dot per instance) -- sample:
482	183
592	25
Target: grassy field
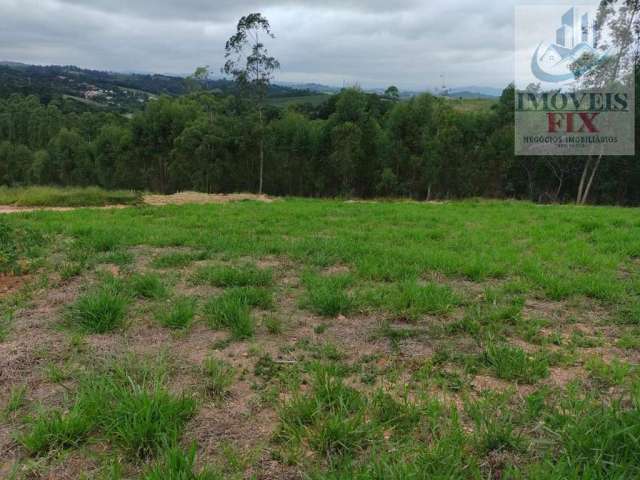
65	197
323	340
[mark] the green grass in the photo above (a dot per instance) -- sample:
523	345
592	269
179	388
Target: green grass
410	300
65	197
18	246
218	377
53	430
233	276
15	401
176	260
513	363
448	310
132	410
147	285
100	310
180	465
233	308
328	295
178	313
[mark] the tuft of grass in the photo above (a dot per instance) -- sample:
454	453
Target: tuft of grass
610	374
273	324
328	295
100	311
513	363
176	260
179	314
331	418
246	276
177	464
219	376
15	401
409	299
142	419
147	286
53	430
126	404
495	429
232	310
597	438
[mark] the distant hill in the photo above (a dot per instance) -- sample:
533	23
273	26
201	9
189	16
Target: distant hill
113	90
469	95
474	92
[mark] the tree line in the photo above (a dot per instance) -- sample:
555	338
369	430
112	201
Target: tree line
354	144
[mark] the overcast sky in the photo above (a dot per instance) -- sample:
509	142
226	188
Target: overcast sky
375	43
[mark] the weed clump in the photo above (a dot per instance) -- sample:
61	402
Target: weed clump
101	310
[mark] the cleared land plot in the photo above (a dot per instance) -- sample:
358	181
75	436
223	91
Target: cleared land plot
321	339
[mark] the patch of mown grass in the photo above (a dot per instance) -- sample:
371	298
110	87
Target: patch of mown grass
66	197
136	413
232	310
513	363
221	276
178	313
102	309
328	295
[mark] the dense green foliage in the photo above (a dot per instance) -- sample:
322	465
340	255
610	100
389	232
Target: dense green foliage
354	144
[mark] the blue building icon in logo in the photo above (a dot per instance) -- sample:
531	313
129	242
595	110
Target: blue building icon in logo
575	38
576	29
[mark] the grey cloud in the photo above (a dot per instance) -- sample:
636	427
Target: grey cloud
374	43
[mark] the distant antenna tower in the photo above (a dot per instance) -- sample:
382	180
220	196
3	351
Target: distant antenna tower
444	85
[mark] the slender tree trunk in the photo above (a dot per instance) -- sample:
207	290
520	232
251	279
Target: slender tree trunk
261	152
582	180
557	192
585	195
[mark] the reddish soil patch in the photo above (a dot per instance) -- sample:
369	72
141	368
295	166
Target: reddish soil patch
10	283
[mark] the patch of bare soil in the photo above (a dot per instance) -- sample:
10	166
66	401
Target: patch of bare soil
562	376
183	198
10	283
